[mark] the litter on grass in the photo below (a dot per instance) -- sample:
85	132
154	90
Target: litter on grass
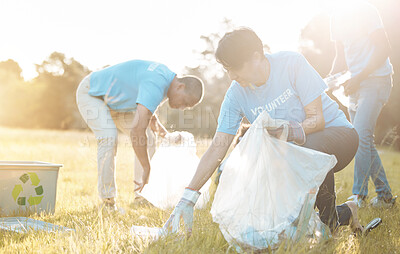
146	233
24	224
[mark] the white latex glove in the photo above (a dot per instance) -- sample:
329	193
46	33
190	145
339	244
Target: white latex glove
184	209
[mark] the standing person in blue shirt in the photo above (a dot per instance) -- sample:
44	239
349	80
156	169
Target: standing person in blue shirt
125	97
362	47
288	87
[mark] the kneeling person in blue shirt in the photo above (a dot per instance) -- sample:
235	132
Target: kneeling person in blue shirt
289	88
125	97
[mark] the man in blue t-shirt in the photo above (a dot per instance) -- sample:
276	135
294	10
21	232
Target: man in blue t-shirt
288	87
125	97
362	48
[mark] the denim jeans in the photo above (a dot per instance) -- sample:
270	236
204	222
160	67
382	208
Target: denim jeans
369	100
105	124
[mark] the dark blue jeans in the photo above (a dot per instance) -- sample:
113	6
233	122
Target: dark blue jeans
343	143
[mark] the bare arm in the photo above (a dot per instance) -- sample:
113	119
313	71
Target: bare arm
139	142
314	121
157	127
339	62
211	159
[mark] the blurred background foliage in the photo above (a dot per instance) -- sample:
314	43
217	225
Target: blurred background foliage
48	101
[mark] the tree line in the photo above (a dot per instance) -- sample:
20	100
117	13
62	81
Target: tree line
48	101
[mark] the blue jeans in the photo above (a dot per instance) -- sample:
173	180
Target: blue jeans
369	100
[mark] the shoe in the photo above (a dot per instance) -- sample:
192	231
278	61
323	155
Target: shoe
140	200
359	199
380	202
109	205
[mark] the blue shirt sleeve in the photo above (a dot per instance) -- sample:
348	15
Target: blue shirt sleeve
230	115
306	81
151	93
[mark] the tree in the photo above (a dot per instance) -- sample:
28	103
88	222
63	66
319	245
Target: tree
58	80
10	70
16	97
202	120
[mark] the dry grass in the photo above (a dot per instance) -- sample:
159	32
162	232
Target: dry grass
98	232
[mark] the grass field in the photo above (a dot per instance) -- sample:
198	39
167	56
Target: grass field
77	205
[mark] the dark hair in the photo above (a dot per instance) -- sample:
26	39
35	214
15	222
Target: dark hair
237	47
193	86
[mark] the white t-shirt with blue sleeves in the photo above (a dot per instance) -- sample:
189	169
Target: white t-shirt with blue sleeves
292	84
124	85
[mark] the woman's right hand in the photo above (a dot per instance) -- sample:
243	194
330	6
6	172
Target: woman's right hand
145	180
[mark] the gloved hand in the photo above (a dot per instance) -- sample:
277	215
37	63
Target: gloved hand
184	209
295	133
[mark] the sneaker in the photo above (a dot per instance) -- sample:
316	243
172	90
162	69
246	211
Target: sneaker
109	205
359	199
381	202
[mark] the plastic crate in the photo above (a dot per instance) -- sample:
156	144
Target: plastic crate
28	186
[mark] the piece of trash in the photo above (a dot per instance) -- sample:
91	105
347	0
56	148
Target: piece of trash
146	233
335	84
142	217
24	224
336	80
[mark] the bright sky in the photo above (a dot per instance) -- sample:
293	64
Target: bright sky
99	32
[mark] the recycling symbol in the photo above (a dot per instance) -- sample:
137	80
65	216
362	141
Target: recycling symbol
18	190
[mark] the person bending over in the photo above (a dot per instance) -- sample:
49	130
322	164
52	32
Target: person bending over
125	97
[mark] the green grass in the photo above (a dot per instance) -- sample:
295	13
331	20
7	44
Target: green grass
77	205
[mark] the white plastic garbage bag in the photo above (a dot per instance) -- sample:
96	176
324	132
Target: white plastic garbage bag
267	190
172	168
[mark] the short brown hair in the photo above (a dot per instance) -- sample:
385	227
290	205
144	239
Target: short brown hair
194	86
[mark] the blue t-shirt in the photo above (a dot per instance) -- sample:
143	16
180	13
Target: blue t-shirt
292	84
125	85
352	24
